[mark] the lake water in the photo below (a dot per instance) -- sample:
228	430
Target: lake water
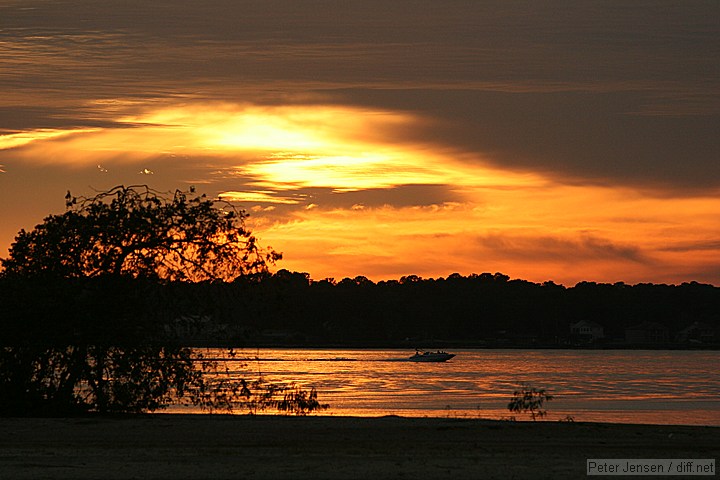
638	386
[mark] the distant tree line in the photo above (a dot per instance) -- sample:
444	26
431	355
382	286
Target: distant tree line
476	310
289	308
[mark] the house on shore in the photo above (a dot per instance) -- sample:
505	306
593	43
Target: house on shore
586	331
698	333
201	330
647	333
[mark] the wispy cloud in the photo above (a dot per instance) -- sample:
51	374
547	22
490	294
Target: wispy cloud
21	139
539	248
259	197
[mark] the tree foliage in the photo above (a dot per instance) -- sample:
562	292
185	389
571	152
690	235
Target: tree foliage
76	379
83	326
135	231
259	395
528	399
478	310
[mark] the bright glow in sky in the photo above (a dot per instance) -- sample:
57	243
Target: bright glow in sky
16	140
556	143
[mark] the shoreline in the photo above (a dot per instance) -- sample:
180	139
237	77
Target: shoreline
434	345
180	446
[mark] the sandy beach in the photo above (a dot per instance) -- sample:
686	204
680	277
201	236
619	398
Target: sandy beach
273	447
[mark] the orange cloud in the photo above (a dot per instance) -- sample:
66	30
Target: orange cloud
524	224
257	196
21	139
274	148
566	234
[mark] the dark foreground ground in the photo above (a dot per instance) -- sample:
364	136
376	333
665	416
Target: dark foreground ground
218	447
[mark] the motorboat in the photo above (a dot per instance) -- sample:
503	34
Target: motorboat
438	356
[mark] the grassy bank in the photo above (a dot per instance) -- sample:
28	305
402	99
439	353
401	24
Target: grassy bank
218	447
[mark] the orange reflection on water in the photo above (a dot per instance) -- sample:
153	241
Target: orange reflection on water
676	387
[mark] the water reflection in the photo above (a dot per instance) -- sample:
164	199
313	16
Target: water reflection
665	387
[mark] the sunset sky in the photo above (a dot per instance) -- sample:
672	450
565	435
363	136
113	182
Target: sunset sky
562	141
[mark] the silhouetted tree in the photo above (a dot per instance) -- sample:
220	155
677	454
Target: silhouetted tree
84	325
138	232
528	399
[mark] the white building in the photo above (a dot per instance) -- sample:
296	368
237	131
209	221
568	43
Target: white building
587	331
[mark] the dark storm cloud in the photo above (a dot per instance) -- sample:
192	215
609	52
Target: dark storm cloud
611	92
577	136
